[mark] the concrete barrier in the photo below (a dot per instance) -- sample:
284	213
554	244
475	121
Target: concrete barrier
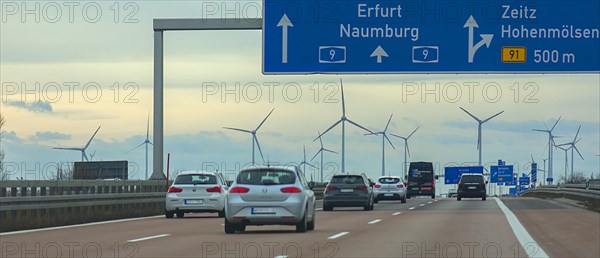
587	198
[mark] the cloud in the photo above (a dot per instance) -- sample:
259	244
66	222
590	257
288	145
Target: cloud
48	136
39	106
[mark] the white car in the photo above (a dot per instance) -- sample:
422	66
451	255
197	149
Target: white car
196	191
390	188
270	195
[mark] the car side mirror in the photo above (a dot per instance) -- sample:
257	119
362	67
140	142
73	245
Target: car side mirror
405	178
436	177
371	184
486	182
229	183
311	185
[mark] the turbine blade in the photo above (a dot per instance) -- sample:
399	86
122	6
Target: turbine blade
74	149
148	127
492	116
373	133
317	154
331	127
90	141
135	147
330	151
320	140
388	139
343	101
407	149
575	147
258	145
413	132
359	126
538	130
532	161
311	165
85	155
403	138
574	139
555	124
263	121
388	123
237	129
474	117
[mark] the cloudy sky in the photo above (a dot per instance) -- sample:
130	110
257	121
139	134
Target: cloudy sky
66	74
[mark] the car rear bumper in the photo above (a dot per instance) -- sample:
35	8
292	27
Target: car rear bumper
473	194
208	204
386	196
342	201
287	212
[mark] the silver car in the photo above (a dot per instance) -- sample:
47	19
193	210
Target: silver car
196	191
390	188
270	195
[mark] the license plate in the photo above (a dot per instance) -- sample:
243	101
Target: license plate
346	190
426	188
194	201
472	187
415	188
388	194
263	210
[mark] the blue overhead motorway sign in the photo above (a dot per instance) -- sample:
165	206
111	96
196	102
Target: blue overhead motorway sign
436	36
501	174
452	174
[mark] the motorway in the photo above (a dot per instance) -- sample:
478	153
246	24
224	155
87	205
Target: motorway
418	228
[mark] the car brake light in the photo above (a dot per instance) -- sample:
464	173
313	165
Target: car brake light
482	183
432	182
216	189
174	189
239	189
291	189
377	186
400	186
361	187
331	188
461	183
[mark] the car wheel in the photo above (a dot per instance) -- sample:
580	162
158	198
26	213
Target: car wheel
372	205
458	198
407	196
241	227
483	198
367	206
230	227
403	199
327	207
376	200
302	225
433	196
311	224
222	214
169	214
180	214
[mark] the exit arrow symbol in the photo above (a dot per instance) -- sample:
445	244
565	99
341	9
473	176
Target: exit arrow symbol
284	23
485	38
379	53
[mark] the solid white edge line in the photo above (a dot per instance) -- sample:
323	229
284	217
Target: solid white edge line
429	202
147	238
396	213
422	204
76	226
411	208
520	232
338	235
319	209
374	221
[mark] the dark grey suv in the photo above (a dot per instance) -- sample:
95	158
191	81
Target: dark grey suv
349	190
471	186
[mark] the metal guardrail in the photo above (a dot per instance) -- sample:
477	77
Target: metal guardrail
586	197
70	201
23	188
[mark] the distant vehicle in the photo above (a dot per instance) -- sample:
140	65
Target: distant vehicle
196	191
389	188
420	180
471	186
270	195
349	190
451	192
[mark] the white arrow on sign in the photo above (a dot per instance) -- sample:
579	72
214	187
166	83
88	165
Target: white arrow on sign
284	23
379	53
485	38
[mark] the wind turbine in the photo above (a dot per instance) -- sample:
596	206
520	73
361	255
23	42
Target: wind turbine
406	149
83	154
566	150
550	144
254	138
480	122
572	147
321	150
383	138
343	121
306	163
146	142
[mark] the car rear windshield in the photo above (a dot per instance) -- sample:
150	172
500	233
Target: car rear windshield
193	179
347	180
389	180
421	175
266	177
472	179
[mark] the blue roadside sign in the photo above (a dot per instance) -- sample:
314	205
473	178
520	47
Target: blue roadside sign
524	181
501	174
452	174
438	36
533	172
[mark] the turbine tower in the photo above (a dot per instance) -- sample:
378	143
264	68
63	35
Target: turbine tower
343	121
383	138
566	150
572	147
146	142
480	122
84	156
306	163
550	144
406	149
321	151
254	138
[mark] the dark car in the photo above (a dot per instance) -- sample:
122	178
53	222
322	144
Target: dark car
420	179
471	186
348	190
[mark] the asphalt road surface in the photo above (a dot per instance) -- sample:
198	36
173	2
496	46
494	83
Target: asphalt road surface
505	227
